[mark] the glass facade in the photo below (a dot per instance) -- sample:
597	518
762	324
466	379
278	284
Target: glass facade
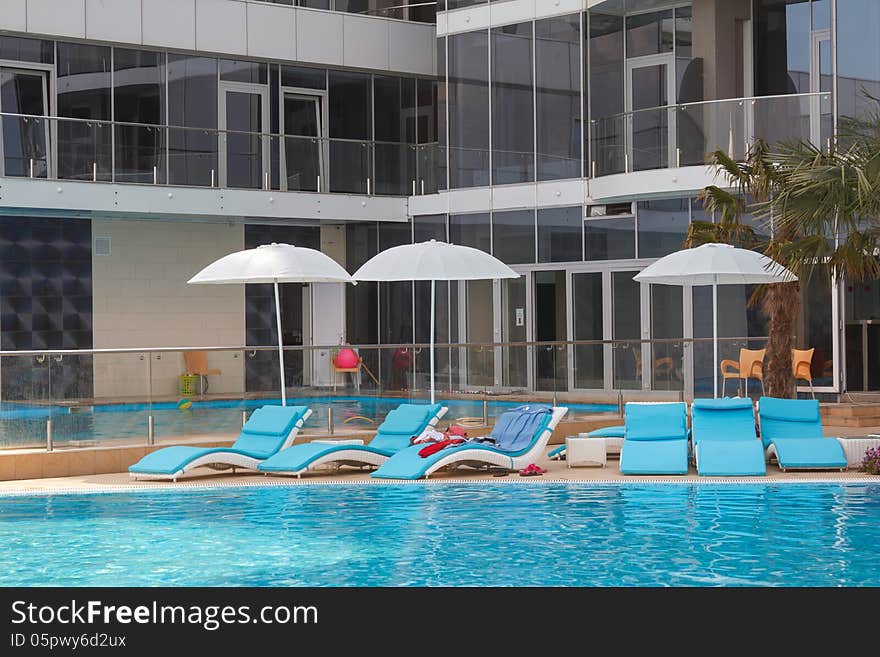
156	117
513	124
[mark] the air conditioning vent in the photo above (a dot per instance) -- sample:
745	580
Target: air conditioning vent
102	245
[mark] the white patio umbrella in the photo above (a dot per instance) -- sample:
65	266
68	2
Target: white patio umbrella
274	263
715	264
433	261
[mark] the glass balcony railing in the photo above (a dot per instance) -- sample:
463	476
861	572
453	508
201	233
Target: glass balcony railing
683	135
78	398
108	151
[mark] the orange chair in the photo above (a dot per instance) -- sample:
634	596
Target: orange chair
196	362
801	362
750	366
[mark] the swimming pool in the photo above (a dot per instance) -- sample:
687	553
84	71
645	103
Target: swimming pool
449	534
25	425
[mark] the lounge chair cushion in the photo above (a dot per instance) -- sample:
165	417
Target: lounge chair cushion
790	410
407	464
723	420
274	420
731	458
300	457
811	453
656	421
789	418
654	457
407	419
608	432
267	429
169	460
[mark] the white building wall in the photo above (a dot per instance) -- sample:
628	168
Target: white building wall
141	299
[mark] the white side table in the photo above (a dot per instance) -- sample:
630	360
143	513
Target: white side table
585	451
854	447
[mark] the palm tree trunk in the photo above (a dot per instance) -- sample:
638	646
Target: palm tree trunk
781	305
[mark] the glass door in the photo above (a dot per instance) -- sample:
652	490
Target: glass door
514	360
650	87
550	325
244	153
588	323
23	100
667	328
304	148
626	327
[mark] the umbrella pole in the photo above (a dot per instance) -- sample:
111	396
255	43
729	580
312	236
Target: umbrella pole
433	312
715	339
280	346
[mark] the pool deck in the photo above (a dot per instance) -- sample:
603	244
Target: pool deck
557	472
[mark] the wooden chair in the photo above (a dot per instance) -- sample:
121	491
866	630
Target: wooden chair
749	366
352	370
801	362
196	362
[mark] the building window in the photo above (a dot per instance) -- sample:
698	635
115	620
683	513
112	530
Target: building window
513	105
558	97
192	103
663	226
139	97
513	236
610	238
351	122
559	234
473	230
27	50
468	98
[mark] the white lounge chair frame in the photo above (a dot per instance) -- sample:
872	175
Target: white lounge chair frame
221	459
355	457
477	458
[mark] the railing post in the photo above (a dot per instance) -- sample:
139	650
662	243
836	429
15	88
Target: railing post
330	420
413	187
319	183
212	178
243	418
155	175
485	412
49	444
620	403
151	434
32	168
368	187
423	186
94	172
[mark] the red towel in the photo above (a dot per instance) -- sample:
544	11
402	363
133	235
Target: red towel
436	447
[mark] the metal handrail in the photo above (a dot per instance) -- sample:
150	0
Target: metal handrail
372	347
168	126
719	101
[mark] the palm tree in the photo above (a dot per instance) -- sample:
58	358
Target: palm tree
822	207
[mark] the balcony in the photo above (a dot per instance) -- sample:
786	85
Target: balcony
683	135
110	151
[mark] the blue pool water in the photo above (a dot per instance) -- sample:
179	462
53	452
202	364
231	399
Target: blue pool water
495	534
25	425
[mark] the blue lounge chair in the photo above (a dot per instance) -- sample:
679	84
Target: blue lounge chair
792	432
394	434
725	439
407	464
656	439
558	452
268	430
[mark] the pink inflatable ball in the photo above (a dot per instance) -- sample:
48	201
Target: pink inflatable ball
347	358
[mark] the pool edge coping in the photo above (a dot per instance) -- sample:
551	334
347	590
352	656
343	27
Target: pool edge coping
195	485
